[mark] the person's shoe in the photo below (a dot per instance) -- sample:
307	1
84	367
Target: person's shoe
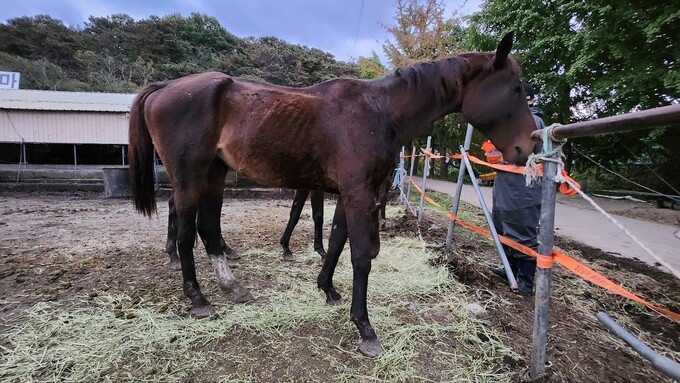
500	271
525	277
523	289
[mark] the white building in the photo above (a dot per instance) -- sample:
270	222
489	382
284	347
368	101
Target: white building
45	121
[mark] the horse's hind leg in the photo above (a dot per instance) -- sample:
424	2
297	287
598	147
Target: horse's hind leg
295	211
213	198
364	245
210	206
171	243
317	214
383	194
186	207
336	243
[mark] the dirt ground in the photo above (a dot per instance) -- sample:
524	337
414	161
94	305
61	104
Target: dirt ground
68	249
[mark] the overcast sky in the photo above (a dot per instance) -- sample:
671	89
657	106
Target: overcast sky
346	28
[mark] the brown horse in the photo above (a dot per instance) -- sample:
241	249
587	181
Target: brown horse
339	136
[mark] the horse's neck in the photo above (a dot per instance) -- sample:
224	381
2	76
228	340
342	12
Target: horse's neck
424	93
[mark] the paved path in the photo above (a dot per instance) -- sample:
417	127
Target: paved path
578	220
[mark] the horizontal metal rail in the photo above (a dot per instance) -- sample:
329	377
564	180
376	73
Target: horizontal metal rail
644	119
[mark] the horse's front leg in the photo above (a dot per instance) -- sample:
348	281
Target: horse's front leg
336	243
316	198
362	213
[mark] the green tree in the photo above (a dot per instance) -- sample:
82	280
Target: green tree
371	67
118	54
595	59
40	74
41	37
276	61
421	32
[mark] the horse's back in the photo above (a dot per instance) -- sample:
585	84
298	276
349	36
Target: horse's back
298	138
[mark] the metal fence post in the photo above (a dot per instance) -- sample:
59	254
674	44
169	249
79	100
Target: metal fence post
410	174
543	275
459	188
501	253
401	173
426	169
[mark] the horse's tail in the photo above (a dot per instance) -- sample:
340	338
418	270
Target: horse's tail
140	155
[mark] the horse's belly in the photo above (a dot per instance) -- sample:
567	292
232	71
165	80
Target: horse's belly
281	170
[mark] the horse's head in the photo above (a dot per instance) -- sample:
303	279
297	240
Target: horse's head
495	104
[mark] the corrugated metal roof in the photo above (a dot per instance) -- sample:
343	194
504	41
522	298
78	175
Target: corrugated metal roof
65	101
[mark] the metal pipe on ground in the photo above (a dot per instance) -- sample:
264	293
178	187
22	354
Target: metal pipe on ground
660	362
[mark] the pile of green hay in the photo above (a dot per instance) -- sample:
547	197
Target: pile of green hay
417	309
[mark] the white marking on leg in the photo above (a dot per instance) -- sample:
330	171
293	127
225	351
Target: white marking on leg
225	277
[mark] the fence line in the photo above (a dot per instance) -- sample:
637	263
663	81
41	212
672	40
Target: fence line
632	121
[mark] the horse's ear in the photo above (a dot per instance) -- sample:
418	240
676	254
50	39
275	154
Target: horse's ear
502	52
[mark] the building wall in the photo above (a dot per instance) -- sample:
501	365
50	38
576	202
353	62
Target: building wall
57	127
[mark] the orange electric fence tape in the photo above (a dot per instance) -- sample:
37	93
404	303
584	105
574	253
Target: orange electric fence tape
564	187
546	261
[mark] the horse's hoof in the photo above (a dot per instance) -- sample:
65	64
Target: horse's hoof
333	298
288	256
232	255
201	312
174	264
371	348
240	294
333	302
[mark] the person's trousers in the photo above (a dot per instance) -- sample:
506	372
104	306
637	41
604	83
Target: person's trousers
521	226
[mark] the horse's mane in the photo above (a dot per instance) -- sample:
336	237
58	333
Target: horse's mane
450	74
